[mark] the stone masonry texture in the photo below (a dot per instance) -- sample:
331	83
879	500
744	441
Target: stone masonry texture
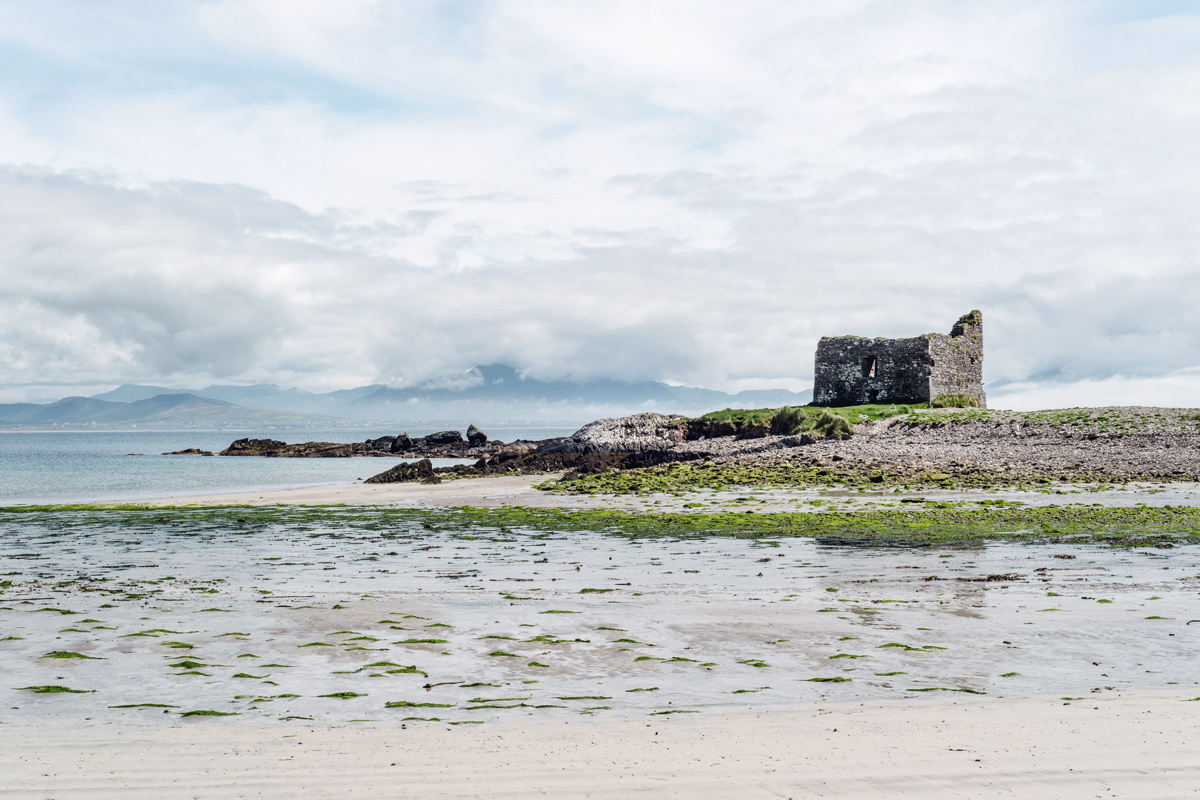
852	370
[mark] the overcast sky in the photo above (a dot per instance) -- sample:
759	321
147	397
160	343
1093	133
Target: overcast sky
328	194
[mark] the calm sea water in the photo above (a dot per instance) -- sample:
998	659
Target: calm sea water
94	466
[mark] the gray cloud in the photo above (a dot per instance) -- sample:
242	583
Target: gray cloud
184	281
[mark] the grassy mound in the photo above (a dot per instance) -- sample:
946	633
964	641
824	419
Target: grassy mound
753	423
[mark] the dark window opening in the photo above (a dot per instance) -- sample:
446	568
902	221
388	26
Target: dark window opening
873	395
868	366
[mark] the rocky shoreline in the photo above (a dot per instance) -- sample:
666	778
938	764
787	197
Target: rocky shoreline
1100	444
443	444
1109	444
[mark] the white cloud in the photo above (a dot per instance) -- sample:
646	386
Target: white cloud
330	194
1179	390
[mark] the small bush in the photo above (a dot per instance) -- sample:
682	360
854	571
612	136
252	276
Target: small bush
788	421
954	401
831	425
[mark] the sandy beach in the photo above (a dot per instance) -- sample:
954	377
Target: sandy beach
519	491
1138	745
482	492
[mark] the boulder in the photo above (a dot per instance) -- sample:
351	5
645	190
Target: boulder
476	436
408	472
444	437
401	443
383	443
253	447
647	432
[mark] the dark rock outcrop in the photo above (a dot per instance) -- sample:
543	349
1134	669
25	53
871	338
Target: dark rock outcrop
191	451
271	448
642	440
444	444
382	443
253	446
408	472
476	436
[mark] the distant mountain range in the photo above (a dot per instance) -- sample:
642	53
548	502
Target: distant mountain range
172	411
489	394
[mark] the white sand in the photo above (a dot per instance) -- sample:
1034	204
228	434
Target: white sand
517	490
484	492
1135	745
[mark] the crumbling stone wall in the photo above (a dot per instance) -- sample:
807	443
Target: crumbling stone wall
852	370
957	366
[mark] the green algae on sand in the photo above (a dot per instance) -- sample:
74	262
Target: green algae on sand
1117	526
70	654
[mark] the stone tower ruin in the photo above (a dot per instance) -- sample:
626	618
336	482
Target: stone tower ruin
852	370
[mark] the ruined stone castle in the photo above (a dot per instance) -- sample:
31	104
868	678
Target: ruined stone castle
852	369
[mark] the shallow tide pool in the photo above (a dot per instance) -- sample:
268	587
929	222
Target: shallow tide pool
407	618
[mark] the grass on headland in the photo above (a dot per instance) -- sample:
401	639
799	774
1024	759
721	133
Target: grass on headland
819	420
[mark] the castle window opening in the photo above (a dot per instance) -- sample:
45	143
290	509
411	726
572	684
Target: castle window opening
873	395
868	366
